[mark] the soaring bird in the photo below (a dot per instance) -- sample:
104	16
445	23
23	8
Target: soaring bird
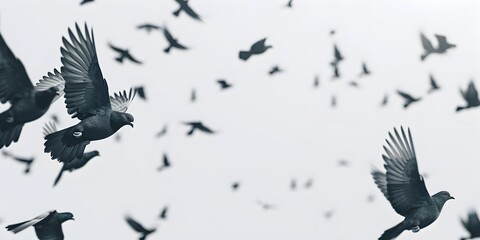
27	103
257	48
274	70
433	85
198	126
187	9
471	224
148	27
123	54
224	84
470	96
86	98
48	226
139	228
165	162
27	161
163	214
404	187
443	45
408	98
365	70
338	57
172	42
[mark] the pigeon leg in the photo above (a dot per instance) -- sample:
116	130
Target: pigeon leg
416	229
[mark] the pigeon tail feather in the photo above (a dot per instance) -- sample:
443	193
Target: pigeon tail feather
393	232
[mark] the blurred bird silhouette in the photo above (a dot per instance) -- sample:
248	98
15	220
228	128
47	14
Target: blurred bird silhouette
433	85
198	126
141	92
384	101
235	186
343	163
27	103
139	228
471	224
365	70
172	42
404	187
224	84
328	214
337	59
123	54
316	82
257	48
55	118
407	98
308	184
265	206
353	84
470	96
165	163
86	1
193	95
48	226
336	71
163	213
187	9
293	184
275	69
162	132
27	161
443	45
86	98
148	27
289	4
333	101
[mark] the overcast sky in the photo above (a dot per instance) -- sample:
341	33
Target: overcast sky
269	129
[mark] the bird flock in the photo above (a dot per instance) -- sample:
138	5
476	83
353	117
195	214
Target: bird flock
81	84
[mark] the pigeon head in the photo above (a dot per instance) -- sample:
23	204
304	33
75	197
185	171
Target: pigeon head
44	98
440	198
65	216
120	119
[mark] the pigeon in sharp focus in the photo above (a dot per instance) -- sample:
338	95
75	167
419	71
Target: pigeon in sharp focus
443	45
404	187
165	162
86	98
433	85
27	161
384	101
172	42
162	132
274	70
365	70
224	84
187	9
86	1
48	226
124	54
27	103
139	228
470	96
163	214
257	48
471	224
198	126
408	98
141	92
148	27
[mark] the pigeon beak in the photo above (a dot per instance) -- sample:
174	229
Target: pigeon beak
73	219
131	124
451	197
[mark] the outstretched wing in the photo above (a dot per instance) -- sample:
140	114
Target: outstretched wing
407	96
135	225
13	77
471	93
427	45
117	49
49	128
380	179
49	232
259	44
405	187
86	91
191	12
15	228
120	101
131	58
54	79
472	223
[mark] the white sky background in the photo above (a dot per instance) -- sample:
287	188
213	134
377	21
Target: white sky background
270	129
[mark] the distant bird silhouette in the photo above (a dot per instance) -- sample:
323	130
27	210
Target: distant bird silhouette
337	55
118	137
265	206
408	98
316	82
172	42
289	4
384	101
333	101
470	96
27	103
85	1
187	9
27	161
293	184
370	198
86	98
365	70
343	163
193	95
471	224
275	69
332	32
308	184
433	85
328	214
148	27
405	188
198	126
163	214
48	226
336	71
55	118
141	92
235	186
139	228
443	45
353	84
257	48
224	84
124	54
165	163
162	132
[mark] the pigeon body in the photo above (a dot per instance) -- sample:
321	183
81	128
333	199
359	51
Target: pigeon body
404	187
224	84
123	54
443	45
274	70
408	98
187	9
139	228
172	42
472	225
433	85
75	164
470	96
257	48
48	226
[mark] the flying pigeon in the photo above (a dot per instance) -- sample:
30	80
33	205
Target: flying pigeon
148	27
274	70
408	98
433	85
187	9
86	98
443	45
404	187
172	42
365	70
165	163
141	92
162	132
48	226
198	126
139	228
224	84
470	96
257	48
163	214
27	161
85	1
471	224
123	54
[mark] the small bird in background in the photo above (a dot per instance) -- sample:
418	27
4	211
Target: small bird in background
370	198
193	95
148	27
471	224
384	101
265	206
337	59
289	4
365	70
443	45
308	184
470	96
118	137
354	84
293	184
333	101
407	98
343	163
48	226
433	85
316	82
336	71
235	186
187	9
27	161
274	70
224	84
139	228
123	54
198	126
257	48
141	92
328	214
332	32
85	1
162	132
163	213
405	188
165	163
172	42
55	118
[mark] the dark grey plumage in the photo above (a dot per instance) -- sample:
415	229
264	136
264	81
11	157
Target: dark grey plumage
86	98
141	92
148	27
384	101
172	42
470	96
27	161
123	54
443	45
289	4
198	126
48	226
224	84
404	187
139	228
162	132
86	1
257	48
187	9
365	70
235	186
193	95
27	103
407	98
163	213
274	70
165	163
338	57
471	224
433	85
